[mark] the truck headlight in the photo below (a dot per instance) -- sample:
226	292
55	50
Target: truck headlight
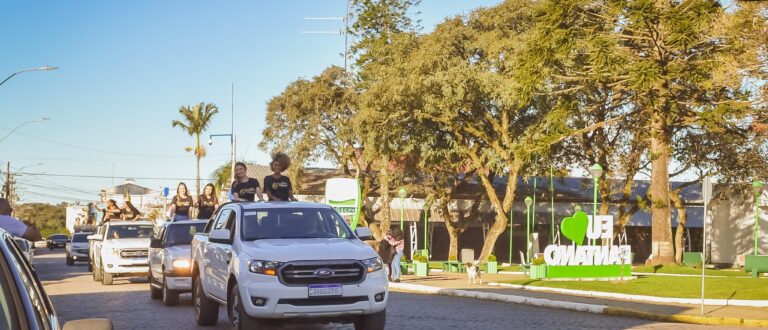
264	267
373	264
180	263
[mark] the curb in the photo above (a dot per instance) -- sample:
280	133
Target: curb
579	307
653	299
692	319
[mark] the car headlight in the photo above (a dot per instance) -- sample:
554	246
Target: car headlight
373	264
264	267
180	263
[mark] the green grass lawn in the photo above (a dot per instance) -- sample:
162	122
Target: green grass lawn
668	286
689	271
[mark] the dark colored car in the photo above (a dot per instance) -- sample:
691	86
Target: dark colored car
23	301
57	240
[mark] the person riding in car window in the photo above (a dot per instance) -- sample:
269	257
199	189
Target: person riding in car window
278	186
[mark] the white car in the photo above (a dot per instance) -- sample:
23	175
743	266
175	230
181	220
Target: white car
26	247
121	251
77	248
286	261
170	271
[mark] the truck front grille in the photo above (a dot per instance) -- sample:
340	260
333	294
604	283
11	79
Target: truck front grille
134	253
322	272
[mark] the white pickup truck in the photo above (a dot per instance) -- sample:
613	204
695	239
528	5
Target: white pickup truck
271	262
120	248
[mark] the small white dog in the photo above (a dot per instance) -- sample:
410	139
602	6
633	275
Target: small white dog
473	272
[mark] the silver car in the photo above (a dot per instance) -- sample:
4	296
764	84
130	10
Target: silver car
77	248
169	260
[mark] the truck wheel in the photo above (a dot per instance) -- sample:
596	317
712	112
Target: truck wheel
96	274
154	292
106	278
70	262
90	266
206	310
374	321
170	297
240	319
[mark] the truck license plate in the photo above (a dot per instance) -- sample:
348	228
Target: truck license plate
324	290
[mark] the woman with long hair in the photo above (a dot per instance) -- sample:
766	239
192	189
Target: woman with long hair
112	212
181	203
207	202
130	212
396	238
245	189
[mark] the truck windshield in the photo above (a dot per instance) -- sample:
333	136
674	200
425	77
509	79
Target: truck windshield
294	223
181	234
129	231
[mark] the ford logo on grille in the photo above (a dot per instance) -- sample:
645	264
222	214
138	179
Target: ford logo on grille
324	272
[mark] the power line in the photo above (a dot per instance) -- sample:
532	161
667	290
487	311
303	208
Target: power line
92	149
108	176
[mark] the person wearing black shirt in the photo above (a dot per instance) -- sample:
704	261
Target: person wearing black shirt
130	212
181	203
112	212
207	202
245	189
277	186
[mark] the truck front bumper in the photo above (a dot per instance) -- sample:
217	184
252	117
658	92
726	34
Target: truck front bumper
126	266
265	297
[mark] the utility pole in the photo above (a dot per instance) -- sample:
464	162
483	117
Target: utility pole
7	185
345	19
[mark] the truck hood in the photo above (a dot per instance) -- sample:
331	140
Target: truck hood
178	252
127	243
283	250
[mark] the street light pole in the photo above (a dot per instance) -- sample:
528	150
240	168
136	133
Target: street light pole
22	124
232	145
42	68
757	187
596	170
511	224
528	203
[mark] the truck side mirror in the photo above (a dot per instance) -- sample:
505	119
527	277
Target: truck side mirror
364	234
156	243
222	236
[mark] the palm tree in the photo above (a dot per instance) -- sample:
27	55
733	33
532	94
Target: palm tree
222	175
195	121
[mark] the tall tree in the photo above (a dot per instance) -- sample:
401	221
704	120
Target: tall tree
667	59
195	121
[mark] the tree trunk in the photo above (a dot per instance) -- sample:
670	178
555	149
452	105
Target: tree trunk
662	248
197	169
386	218
500	222
681	222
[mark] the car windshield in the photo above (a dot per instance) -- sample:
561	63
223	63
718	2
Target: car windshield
58	237
294	223
129	231
181	234
80	238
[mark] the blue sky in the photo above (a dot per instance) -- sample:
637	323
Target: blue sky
127	66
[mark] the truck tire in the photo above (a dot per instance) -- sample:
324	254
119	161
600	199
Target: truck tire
90	266
96	274
170	297
374	321
106	278
236	309
154	292
206	310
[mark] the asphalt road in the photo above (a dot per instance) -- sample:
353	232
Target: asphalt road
75	296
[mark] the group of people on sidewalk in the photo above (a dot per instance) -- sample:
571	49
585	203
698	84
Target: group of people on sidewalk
277	187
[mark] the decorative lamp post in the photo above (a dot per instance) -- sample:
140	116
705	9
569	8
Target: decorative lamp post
596	171
511	223
402	193
528	203
757	187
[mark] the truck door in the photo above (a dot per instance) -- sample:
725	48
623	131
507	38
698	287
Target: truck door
218	256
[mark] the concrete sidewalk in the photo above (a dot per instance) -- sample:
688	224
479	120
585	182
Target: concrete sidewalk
452	284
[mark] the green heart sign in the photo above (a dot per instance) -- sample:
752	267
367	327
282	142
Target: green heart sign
575	227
